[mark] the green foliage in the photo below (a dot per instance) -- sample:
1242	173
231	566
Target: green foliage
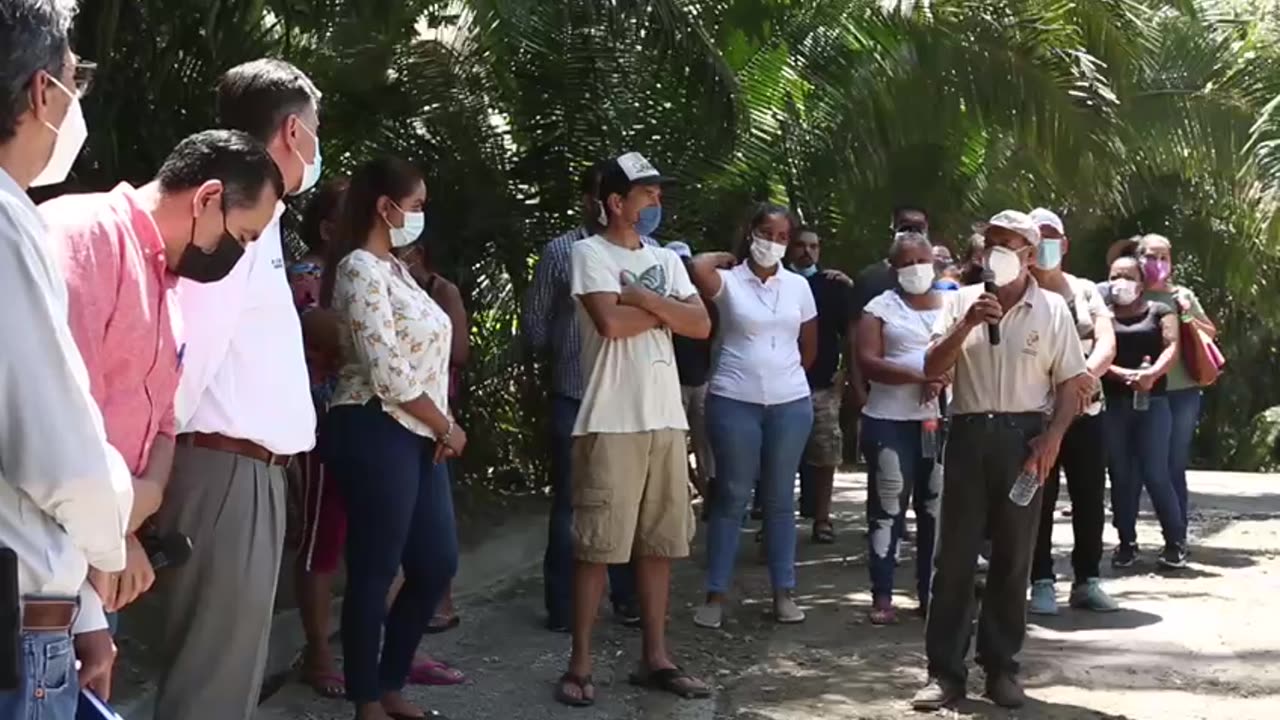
1152	116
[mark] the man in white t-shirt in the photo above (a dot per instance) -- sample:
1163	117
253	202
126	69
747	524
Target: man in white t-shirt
630	474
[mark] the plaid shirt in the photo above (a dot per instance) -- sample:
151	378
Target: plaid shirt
549	321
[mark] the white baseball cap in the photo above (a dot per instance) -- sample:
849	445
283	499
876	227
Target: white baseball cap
1018	222
1043	217
620	173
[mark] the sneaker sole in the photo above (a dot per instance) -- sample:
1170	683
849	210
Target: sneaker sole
936	706
1172	566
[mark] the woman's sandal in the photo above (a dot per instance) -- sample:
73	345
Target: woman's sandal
883	615
673	680
442	623
435	672
331	685
582	683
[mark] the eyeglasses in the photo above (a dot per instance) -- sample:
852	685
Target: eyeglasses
84	74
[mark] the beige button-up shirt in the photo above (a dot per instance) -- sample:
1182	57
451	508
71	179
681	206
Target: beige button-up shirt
1039	349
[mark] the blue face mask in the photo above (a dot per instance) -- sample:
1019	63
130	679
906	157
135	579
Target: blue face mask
650	219
807	272
1049	254
946	285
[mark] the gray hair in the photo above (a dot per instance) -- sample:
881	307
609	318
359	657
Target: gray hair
907	239
33	37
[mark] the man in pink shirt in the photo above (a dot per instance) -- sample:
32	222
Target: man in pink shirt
122	253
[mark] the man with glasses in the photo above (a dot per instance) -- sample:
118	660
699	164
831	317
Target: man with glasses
65	493
1018	368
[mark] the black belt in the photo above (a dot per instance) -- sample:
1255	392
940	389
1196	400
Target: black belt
996	418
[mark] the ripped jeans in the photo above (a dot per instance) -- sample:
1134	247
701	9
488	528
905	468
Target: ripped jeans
896	472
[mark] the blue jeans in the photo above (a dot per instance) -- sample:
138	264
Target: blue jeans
898	472
557	562
1137	457
49	689
752	441
399	515
1185	407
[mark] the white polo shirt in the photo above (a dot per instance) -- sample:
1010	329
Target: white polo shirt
758	354
244	374
1039	349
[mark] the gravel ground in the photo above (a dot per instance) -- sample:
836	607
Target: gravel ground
1199	644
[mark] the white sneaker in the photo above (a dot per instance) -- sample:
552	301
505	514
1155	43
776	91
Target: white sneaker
785	610
1043	599
709	616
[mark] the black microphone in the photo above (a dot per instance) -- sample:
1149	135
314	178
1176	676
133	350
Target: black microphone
172	550
989	285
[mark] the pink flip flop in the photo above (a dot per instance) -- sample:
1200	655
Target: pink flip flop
434	672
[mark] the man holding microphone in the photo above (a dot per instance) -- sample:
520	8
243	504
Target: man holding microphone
1019	373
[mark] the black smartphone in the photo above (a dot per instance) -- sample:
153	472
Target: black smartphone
10	622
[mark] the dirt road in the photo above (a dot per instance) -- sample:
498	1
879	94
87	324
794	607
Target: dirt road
1203	643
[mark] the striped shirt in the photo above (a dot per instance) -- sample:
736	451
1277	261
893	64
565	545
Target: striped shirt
549	321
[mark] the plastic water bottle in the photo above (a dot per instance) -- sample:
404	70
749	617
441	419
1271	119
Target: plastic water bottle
929	441
1142	398
1024	488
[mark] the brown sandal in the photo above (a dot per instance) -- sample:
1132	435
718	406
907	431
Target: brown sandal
673	680
582	683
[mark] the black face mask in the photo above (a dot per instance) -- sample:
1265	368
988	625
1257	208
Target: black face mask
210	266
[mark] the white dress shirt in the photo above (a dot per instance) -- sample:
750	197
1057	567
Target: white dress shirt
758	354
65	493
244	374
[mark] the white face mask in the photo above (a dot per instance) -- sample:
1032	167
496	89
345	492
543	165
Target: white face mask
310	170
1124	291
916	279
414	223
766	252
71	133
1004	264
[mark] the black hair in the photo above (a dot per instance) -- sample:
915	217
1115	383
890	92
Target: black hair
807	229
258	95
1124	247
236	158
900	210
324	205
589	180
388	177
759	213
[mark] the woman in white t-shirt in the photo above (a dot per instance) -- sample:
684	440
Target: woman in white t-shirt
758	407
900	422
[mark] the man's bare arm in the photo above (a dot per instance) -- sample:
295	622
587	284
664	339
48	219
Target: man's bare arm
687	317
613	320
148	490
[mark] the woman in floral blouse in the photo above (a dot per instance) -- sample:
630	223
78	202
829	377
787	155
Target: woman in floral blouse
388	434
